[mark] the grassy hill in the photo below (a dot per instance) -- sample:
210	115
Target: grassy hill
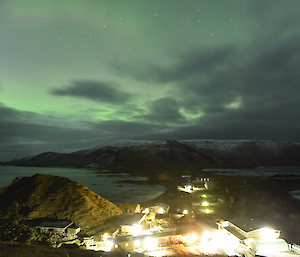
46	196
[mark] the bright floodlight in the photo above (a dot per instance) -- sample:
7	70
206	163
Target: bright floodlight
229	244
268	234
108	246
205	236
161	211
185	212
207	211
193	237
137	243
105	236
205	204
204	195
136	229
150	243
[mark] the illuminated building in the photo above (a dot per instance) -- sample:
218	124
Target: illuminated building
243	228
249	236
131	224
160	208
168	236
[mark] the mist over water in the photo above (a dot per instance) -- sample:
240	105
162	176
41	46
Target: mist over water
108	185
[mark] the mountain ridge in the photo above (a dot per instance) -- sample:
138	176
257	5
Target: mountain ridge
173	154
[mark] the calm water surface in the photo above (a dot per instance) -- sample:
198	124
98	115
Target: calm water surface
107	185
263	172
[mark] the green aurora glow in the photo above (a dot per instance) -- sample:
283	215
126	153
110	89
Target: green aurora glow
76	72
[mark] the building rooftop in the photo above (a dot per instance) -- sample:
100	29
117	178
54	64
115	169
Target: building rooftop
245	224
55	224
236	233
164	205
134	219
162	233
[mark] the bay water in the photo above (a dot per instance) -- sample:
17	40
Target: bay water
279	173
111	186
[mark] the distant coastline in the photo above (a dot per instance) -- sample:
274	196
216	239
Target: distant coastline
107	185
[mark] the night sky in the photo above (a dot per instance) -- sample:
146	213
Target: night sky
74	73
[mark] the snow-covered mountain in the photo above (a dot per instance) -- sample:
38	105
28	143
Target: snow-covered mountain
166	155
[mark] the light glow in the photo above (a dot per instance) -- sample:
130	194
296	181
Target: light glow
137	243
185	212
205	236
105	236
150	243
207	211
193	237
268	234
108	246
229	244
205	204
136	229
146	210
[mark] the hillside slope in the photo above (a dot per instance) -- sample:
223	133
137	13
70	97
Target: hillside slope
182	154
17	250
46	196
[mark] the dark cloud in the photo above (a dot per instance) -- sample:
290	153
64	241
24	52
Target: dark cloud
93	90
251	92
126	129
225	71
247	93
183	66
23	133
228	130
20	136
165	110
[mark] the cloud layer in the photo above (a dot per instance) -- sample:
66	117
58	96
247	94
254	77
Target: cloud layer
93	90
88	72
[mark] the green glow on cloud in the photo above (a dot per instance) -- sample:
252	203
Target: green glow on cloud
236	104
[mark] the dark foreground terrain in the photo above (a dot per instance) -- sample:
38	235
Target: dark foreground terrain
266	201
51	197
